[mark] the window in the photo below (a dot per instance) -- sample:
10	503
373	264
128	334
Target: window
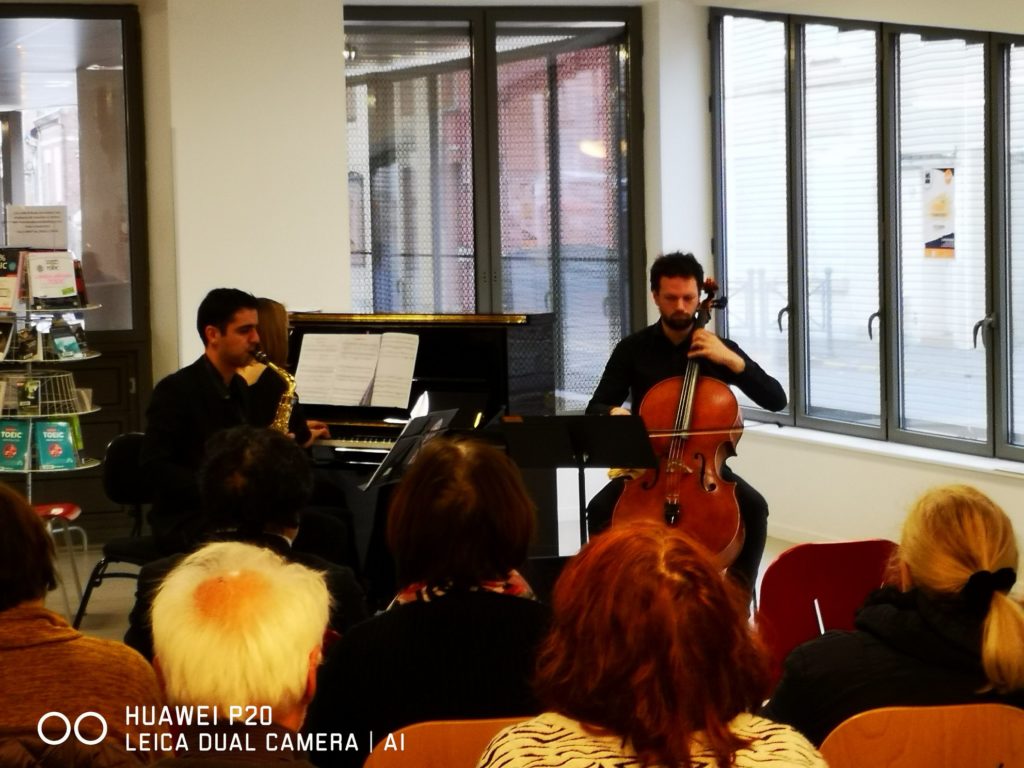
64	140
1014	256
491	159
861	198
754	135
410	135
841	286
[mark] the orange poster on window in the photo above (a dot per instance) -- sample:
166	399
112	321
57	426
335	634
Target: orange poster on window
939	213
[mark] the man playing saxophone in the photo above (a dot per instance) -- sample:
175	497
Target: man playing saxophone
190	405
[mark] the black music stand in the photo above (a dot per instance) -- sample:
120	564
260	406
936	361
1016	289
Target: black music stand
418	431
584	442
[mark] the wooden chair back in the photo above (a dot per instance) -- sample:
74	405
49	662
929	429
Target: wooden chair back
977	735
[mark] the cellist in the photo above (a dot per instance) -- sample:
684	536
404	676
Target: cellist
661	351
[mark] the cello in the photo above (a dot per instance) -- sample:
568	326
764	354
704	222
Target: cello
694	424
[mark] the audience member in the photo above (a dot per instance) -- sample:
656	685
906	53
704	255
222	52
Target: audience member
253	484
948	634
48	667
649	661
458	640
238	629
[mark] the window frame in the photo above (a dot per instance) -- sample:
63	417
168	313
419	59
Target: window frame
996	334
486	200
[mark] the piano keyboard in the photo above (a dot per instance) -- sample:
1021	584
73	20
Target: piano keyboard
357	442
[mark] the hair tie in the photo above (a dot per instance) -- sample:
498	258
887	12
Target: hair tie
982	585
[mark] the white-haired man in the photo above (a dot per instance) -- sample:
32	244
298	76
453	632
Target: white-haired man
237	633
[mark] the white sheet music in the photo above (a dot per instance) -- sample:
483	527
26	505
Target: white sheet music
345	368
393	380
336	368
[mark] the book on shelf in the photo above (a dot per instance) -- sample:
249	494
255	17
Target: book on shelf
28	396
9	391
55	445
8	329
83	399
63	344
76	432
14	444
51	280
25	344
83	298
79	330
11	275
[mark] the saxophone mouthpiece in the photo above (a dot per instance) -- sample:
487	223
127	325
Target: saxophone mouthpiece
260	356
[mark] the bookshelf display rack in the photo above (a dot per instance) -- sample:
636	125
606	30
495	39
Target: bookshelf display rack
55	399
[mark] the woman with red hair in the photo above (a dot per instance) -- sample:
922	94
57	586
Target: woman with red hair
650	661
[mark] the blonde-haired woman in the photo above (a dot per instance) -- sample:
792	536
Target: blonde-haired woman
949	633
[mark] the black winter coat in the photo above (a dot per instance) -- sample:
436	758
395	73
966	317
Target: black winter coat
906	650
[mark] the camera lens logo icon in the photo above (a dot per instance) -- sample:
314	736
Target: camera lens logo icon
69	728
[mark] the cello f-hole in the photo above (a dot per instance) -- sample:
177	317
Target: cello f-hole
704	483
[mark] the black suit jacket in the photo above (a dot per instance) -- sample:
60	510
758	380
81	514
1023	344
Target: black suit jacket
186	408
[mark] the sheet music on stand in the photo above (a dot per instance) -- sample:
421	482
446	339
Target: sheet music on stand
416	433
353	369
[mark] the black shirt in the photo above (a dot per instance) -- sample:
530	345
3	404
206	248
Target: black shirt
185	409
646	357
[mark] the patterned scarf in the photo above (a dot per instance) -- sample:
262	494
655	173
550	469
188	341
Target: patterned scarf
513	584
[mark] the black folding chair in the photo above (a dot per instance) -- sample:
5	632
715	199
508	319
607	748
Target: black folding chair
123	484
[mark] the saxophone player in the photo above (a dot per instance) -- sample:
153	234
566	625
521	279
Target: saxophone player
189	406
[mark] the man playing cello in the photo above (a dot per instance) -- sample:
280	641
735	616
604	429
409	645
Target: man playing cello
661	351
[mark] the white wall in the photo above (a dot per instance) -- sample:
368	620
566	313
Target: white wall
245	123
677	130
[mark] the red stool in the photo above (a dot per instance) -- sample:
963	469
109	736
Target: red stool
60	515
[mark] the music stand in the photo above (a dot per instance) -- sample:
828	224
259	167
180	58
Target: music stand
416	432
584	442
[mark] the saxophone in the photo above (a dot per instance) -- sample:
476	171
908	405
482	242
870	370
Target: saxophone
284	405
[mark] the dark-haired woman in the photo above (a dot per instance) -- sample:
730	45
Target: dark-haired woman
458	639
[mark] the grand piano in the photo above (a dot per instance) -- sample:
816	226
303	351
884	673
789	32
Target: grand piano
487	364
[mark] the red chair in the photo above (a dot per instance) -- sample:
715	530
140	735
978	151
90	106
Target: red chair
811	588
60	515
